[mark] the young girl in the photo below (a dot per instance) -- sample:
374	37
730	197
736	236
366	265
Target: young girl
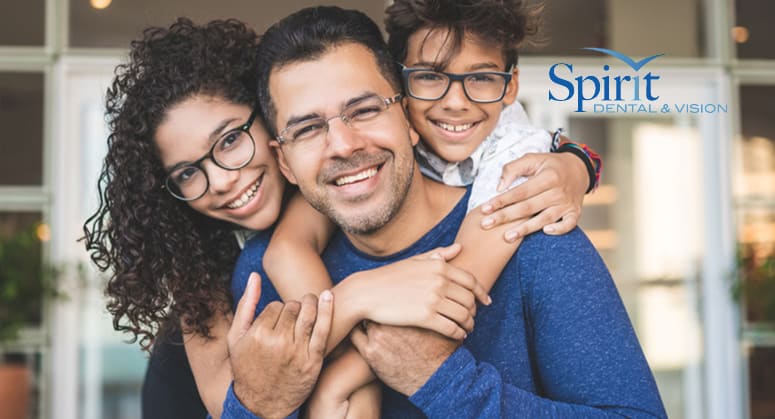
461	84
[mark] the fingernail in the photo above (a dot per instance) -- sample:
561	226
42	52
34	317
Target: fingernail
488	222
436	256
326	296
511	236
549	229
489	300
487	208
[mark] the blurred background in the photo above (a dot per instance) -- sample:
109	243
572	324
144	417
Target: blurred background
684	217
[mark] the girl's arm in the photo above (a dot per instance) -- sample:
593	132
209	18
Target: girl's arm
292	259
209	360
345	389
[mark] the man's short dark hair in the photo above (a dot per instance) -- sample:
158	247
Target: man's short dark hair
308	34
498	22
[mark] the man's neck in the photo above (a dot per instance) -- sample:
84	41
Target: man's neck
427	203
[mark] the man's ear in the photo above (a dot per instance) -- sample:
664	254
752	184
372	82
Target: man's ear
512	88
282	162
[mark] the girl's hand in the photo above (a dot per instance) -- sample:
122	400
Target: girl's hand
550	199
423	291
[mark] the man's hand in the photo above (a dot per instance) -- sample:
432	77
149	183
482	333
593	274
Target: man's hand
276	359
404	358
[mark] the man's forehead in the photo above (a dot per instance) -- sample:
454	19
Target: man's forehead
327	82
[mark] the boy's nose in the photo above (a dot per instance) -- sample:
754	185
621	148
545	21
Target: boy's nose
456	97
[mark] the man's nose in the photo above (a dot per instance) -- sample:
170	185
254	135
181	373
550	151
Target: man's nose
456	98
343	140
221	180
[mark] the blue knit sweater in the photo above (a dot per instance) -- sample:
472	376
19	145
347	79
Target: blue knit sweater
555	342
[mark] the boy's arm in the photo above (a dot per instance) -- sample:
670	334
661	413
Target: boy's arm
555	188
209	360
292	259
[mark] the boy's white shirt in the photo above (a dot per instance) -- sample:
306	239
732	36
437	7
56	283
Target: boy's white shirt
512	138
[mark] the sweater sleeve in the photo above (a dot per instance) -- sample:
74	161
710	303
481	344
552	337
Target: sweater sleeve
233	408
587	359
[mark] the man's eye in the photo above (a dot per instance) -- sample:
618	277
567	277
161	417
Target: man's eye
364	112
308	131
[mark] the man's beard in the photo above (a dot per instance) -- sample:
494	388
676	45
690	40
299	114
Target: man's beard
366	224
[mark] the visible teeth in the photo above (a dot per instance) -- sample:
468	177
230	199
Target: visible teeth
454	128
242	200
356	177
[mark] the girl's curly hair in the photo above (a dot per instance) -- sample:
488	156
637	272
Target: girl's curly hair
166	261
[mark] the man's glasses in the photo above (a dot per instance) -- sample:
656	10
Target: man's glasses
233	151
480	86
356	115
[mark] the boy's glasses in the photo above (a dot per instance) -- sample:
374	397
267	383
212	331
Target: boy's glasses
233	151
480	86
354	115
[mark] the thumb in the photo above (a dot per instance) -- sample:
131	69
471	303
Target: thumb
445	253
526	165
246	308
360	340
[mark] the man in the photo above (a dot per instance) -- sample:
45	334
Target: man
556	341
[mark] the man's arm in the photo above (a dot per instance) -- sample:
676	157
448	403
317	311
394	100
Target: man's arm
587	357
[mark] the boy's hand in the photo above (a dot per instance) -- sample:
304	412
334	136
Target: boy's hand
423	291
550	199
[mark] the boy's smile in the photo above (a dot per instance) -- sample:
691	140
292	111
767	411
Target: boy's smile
453	126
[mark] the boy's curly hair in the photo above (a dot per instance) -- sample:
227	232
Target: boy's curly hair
166	261
506	23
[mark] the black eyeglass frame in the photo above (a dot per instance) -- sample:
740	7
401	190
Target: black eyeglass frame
211	155
386	100
453	77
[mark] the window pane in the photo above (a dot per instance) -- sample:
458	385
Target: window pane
634	27
123	21
653	261
22	23
762	382
20	267
21	139
754	31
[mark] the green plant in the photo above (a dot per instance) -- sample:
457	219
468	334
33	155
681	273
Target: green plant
25	281
755	284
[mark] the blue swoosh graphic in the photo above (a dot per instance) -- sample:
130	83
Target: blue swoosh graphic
636	65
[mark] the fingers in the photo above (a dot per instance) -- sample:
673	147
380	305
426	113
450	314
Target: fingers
568	222
526	209
360	340
325	315
467	281
447	327
457	313
246	308
540	183
526	165
286	324
463	297
444	253
546	217
307	316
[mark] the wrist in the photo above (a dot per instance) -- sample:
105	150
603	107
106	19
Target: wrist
251	401
351	303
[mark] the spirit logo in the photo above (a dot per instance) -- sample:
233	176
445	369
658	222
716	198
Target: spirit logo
616	88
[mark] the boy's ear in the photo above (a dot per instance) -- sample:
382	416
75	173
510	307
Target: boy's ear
512	88
282	162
